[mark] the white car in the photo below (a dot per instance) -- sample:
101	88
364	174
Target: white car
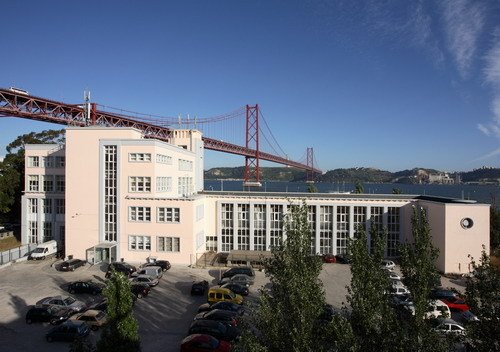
394	276
388	264
449	326
399	290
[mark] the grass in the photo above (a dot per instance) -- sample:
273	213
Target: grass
9	243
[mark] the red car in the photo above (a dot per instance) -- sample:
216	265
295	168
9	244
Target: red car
329	258
456	303
204	343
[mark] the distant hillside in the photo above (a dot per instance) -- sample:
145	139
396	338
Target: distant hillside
352	175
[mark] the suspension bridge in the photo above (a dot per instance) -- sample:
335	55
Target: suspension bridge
220	133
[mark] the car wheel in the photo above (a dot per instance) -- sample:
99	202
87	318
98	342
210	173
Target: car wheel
53	322
94	327
139	295
72	291
29	321
42	258
72	269
49	339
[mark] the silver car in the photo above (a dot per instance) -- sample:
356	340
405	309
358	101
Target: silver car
64	302
242	279
145	279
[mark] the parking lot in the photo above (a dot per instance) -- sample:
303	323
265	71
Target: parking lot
164	316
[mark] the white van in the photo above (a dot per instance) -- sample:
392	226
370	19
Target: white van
153	271
437	309
44	250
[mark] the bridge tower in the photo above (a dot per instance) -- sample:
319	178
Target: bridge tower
252	169
310	165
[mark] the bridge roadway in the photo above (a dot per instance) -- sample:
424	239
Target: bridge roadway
19	104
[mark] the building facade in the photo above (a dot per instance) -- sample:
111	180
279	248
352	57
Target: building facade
111	194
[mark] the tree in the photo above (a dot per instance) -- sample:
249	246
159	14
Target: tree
397	191
483	297
12	171
287	314
358	188
373	321
121	332
311	188
494	226
420	276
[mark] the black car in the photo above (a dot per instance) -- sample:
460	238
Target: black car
441	293
53	315
236	288
68	331
85	287
224	316
102	304
223	305
239	270
71	265
214	328
140	290
199	288
163	264
120	267
342	259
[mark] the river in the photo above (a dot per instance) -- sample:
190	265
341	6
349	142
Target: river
480	193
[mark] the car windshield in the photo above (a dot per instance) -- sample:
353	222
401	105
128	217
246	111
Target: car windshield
38	250
100	315
69	300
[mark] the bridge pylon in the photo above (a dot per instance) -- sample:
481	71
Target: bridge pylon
310	165
252	168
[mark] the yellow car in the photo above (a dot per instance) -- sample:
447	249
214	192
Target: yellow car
218	294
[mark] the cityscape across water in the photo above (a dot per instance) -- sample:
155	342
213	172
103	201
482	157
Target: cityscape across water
480	193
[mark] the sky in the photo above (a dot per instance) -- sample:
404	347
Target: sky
388	84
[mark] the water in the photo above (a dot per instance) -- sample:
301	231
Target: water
480	193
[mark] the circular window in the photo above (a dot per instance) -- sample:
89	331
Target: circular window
467	223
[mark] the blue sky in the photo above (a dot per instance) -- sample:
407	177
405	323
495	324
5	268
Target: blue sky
392	84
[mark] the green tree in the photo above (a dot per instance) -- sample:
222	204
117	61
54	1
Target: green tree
420	276
373	321
397	191
483	297
12	171
358	188
311	188
286	317
494	226
121	332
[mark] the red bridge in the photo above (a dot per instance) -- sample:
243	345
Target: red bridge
18	103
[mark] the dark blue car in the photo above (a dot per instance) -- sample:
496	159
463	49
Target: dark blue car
68	331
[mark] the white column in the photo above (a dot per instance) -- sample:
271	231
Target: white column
218	228
251	225
334	228
317	230
384	227
235	226
268	226
351	221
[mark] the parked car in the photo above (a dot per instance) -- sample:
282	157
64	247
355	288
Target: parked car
236	288
68	331
153	271
214	328
399	290
101	304
437	309
469	317
224	316
449	326
70	265
85	287
163	264
456	304
441	293
246	270
145	279
199	288
50	314
329	258
401	300
393	276
120	267
140	290
241	279
204	343
217	294
94	318
63	302
233	307
388	264
342	259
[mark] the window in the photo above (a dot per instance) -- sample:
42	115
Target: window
227	227
33	232
359	218
185	186
139	184
377	222
60	206
259	227
32	205
342	228
33	184
48	183
169	244
211	243
60	161
392	231
163	184
139	214
276	224
185	165
168	215
47	231
48	161
110	191
139	243
140	157
164	159
326	229
47	206
243	237
33	161
60	183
